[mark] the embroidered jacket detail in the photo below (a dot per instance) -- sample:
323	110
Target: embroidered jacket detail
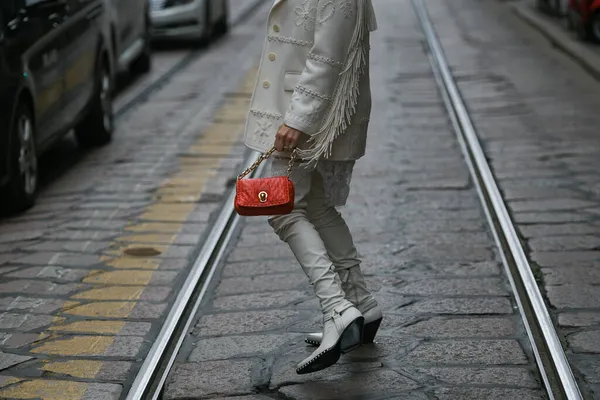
305	15
326	12
326	60
346	94
305	90
266	114
289	40
347	9
262	127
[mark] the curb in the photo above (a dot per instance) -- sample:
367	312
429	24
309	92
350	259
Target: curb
586	57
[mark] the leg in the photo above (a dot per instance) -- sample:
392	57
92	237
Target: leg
342	322
338	241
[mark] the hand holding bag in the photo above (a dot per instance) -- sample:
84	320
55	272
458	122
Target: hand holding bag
265	196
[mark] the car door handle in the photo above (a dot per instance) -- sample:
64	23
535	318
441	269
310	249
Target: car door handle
57	19
94	12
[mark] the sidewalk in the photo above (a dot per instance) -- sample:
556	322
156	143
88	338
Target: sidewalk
451	330
585	54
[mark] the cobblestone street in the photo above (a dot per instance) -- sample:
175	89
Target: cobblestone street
89	275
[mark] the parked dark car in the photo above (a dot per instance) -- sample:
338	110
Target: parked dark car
55	75
130	35
584	18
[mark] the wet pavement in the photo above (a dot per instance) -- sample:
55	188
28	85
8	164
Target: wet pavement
88	275
451	329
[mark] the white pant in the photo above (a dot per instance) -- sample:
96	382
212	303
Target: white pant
318	237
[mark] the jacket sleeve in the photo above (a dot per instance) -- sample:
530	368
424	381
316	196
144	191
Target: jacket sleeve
335	24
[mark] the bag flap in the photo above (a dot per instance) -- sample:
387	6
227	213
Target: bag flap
263	192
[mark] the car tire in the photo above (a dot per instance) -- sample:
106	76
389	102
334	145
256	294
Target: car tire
222	26
20	192
97	127
595	27
143	64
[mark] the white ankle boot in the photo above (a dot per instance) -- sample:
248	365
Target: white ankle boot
342	333
355	288
342	322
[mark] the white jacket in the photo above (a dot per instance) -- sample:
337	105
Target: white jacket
314	77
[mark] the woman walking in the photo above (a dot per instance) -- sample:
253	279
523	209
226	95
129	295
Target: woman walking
312	99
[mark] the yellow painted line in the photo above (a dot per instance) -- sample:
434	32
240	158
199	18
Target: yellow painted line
76	346
46	390
112	293
98	327
87	369
116	292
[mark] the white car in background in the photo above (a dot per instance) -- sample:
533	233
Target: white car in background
194	20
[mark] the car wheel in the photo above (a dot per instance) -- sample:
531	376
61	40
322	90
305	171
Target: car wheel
20	192
595	27
222	26
143	64
97	127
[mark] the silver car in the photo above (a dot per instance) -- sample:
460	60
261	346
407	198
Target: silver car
188	19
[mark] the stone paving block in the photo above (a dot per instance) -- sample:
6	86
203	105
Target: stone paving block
549	217
352	386
459	306
564	243
30	304
454	287
554	204
17	340
578	319
505	376
59	259
261	300
566	259
573	296
223	348
488	394
588	365
210	379
50	272
468	269
24	286
261	284
70	246
253	268
102	391
8	360
462	328
489	352
7	269
571	275
542	230
446	253
24	322
585	342
276	250
245	322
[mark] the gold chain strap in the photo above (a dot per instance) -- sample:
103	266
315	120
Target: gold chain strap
264	157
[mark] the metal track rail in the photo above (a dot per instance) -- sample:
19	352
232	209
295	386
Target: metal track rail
550	356
153	372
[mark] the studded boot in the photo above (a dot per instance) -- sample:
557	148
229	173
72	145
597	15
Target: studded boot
342	322
355	288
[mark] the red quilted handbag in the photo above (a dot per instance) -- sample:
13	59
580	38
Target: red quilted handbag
264	196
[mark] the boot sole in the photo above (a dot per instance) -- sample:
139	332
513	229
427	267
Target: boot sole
349	340
369	333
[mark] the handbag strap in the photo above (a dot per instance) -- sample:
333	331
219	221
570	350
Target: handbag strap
264	157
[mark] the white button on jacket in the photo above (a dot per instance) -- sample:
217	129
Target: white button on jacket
315	65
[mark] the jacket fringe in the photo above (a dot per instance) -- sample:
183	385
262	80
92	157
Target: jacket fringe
347	91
